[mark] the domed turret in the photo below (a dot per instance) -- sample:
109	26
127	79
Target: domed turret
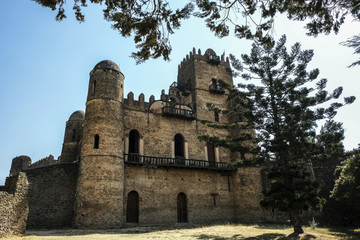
107	64
72	137
78	115
106	81
101	182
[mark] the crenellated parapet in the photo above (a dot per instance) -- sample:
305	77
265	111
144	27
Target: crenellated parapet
140	104
209	56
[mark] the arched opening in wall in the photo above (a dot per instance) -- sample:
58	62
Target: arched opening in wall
211	154
93	86
182	208
132	208
216	116
96	141
73	135
179	149
134	142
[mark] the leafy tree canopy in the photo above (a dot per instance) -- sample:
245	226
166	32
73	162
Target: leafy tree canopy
281	102
152	21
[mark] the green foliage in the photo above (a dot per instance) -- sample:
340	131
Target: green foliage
284	110
347	186
152	21
149	22
354	42
346	191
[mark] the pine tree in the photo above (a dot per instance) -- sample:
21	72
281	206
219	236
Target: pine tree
283	109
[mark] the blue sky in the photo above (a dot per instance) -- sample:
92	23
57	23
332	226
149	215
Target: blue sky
45	65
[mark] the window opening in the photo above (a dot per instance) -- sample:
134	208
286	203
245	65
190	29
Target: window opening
73	137
93	87
216	116
134	140
96	141
179	149
211	154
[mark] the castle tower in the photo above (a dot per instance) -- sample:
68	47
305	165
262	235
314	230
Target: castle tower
198	75
73	134
99	196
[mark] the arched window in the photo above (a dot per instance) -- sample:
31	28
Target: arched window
216	116
179	146
182	208
93	86
132	208
73	135
211	153
134	139
179	149
96	141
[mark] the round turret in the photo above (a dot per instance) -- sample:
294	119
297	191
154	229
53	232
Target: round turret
78	115
101	180
72	137
107	64
106	81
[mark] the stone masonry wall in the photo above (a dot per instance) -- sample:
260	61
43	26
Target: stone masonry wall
51	195
211	196
14	206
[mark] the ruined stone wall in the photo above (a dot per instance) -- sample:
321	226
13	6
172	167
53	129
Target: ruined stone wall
13	206
51	195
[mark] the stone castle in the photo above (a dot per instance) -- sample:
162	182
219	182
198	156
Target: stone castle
126	161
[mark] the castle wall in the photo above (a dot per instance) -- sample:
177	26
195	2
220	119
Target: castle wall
211	196
13	206
52	195
158	134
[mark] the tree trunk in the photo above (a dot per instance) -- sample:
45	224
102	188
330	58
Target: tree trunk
295	220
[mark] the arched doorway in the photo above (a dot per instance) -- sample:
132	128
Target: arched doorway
182	208
132	209
179	149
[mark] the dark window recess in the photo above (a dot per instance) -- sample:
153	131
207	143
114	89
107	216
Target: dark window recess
73	137
96	141
211	154
93	87
134	139
132	208
213	59
214	195
215	87
216	116
182	208
179	149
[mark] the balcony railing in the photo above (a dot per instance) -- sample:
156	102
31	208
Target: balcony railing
136	159
178	113
215	88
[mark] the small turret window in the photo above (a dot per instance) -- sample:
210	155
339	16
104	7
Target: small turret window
93	86
96	141
73	137
216	116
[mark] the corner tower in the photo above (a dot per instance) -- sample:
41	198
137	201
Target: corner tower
72	137
99	196
198	76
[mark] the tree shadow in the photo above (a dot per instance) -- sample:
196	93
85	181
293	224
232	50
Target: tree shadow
348	233
265	236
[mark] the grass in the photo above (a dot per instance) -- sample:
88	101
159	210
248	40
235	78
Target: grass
185	232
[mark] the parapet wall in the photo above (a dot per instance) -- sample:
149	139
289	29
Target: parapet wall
14	206
52	195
